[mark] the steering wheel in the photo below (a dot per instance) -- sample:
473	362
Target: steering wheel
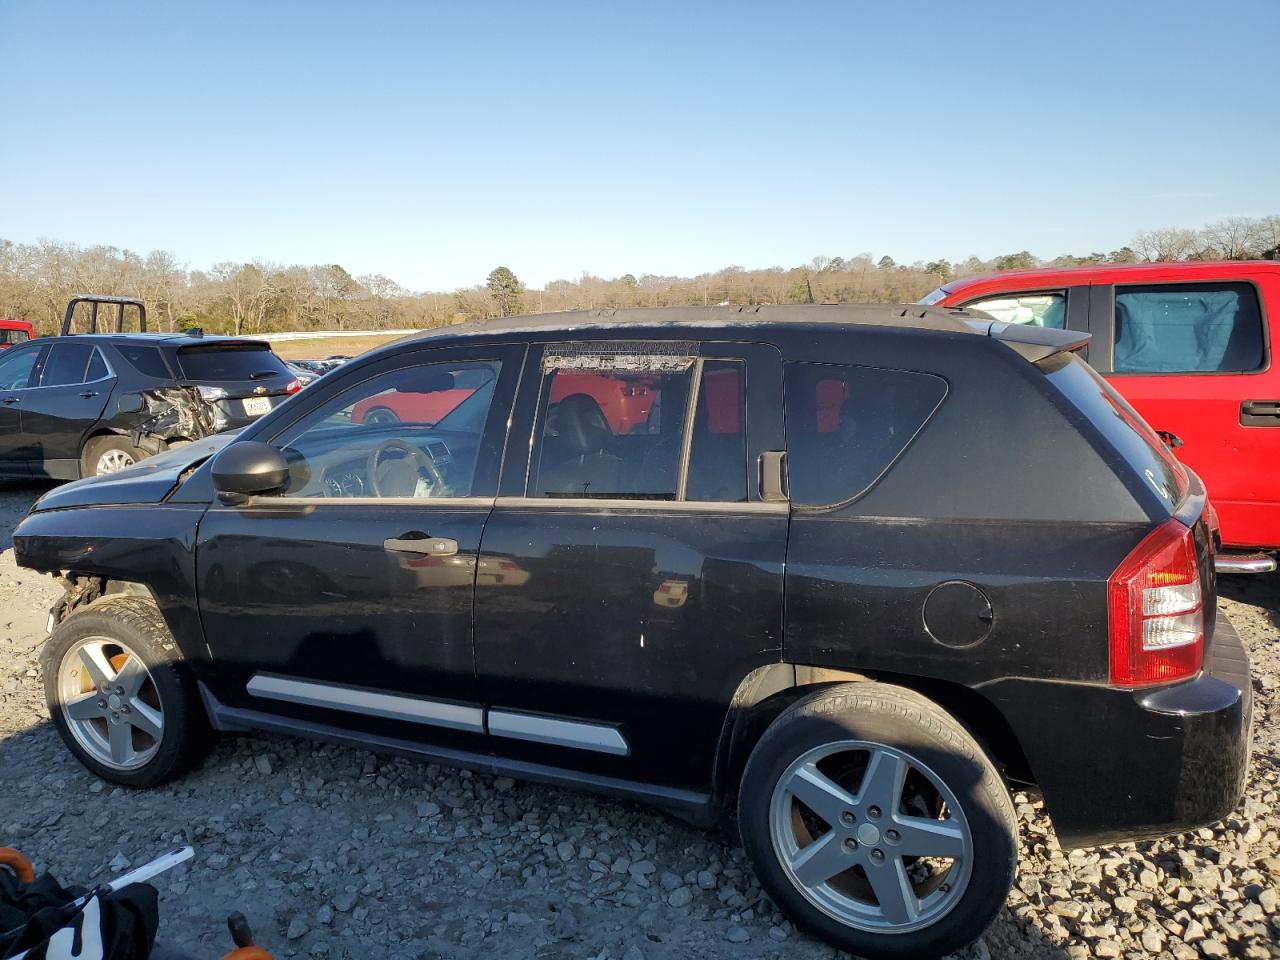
400	477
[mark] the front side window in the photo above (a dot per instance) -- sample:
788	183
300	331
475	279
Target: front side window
67	364
846	425
412	433
16	367
617	425
1029	309
1188	328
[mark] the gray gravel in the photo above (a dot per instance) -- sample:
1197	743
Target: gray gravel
335	852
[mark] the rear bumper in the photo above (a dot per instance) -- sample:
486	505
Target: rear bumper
1119	765
1244	562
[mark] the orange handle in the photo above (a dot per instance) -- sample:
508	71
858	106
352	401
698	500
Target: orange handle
248	953
20	865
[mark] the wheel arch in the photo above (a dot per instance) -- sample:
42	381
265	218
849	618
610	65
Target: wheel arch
767	691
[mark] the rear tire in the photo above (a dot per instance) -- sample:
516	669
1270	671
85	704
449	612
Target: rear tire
108	454
120	694
381	415
837	791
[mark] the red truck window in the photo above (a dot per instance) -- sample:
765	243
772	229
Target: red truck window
1188	328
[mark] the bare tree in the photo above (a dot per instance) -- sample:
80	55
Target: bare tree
1232	238
1166	244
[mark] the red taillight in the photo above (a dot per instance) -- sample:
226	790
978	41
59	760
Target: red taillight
293	386
1157	610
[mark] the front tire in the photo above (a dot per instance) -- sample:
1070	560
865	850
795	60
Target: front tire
121	696
877	822
109	453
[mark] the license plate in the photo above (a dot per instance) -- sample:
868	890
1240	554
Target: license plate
257	406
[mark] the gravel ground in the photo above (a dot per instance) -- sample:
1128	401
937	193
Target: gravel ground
335	852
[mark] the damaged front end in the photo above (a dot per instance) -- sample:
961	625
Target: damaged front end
174	413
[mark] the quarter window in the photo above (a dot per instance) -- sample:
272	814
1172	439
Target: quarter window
1188	328
1029	309
146	360
617	425
846	425
412	433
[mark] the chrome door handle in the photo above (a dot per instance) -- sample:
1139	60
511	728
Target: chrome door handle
8	400
89	393
432	546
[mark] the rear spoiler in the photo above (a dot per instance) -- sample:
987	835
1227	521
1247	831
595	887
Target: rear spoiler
1033	343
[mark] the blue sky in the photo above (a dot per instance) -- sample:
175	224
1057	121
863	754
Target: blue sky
431	142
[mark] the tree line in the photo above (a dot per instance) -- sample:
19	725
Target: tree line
36	280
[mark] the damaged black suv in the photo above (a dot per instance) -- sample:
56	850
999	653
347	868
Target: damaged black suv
83	405
851	573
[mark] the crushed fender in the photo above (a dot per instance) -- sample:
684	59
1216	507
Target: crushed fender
172	413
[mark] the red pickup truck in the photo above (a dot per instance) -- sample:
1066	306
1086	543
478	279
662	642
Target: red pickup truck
1189	346
15	331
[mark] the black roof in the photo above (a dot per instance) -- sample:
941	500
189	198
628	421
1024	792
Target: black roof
902	316
162	339
1033	343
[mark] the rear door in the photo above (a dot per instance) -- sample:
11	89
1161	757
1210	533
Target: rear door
631	574
70	392
1195	360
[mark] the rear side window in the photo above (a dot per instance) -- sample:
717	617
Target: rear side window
846	425
617	425
231	363
13	336
146	360
1188	328
1122	426
67	364
1028	309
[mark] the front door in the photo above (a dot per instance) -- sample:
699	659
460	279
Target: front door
346	600
1194	360
69	395
631	575
18	365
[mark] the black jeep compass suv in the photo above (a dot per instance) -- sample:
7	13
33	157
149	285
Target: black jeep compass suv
848	572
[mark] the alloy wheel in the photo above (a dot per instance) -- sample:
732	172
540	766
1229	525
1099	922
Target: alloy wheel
871	836
110	703
113	461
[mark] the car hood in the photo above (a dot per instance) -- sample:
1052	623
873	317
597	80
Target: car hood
147	482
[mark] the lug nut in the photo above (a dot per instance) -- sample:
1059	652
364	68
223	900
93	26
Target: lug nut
893	836
850	845
874	813
102	704
846	818
877	855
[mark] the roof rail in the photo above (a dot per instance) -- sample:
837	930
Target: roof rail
96	299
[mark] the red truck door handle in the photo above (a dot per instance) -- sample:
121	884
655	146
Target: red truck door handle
1260	413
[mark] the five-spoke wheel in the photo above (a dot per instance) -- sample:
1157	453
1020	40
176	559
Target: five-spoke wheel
110	702
876	821
889	851
121	695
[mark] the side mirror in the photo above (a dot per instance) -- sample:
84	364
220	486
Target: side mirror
247	467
